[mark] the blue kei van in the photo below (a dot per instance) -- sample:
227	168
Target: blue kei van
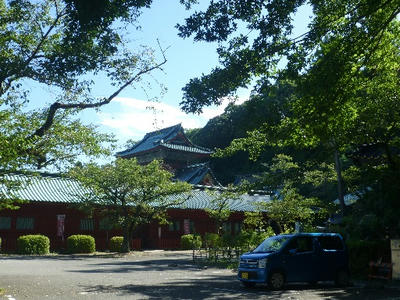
301	257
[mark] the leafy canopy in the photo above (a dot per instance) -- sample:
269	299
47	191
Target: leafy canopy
57	45
253	52
220	204
61	46
132	193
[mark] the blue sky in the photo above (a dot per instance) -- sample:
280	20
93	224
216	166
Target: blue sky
127	117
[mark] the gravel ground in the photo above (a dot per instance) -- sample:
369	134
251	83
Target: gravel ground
148	275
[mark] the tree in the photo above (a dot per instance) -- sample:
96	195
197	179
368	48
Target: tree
57	45
340	68
61	147
135	194
220	205
288	205
56	42
360	25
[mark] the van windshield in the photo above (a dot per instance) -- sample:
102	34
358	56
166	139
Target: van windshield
271	244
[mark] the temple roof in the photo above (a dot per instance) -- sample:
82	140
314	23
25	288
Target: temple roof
56	189
170	138
195	174
43	188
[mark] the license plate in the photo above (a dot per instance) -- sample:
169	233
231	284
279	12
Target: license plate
245	275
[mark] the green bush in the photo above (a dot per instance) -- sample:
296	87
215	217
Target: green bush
115	244
248	239
228	241
362	252
191	241
33	244
212	240
81	244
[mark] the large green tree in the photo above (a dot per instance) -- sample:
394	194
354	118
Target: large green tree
131	193
298	190
254	35
221	201
61	46
345	69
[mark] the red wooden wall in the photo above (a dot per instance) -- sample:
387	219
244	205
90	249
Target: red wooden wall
151	236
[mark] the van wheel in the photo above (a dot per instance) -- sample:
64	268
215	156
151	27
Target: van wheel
248	285
342	278
276	281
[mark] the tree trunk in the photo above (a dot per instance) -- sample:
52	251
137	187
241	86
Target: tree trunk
126	228
126	241
338	168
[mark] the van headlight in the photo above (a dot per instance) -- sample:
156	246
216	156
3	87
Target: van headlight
262	263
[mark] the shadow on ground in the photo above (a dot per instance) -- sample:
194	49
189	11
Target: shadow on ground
160	265
214	287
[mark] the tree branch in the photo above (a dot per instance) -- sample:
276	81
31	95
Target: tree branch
83	105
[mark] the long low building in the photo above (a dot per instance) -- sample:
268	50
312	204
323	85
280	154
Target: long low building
51	209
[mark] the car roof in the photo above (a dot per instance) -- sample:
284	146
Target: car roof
316	234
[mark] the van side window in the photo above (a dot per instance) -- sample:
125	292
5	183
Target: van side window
304	244
330	242
301	244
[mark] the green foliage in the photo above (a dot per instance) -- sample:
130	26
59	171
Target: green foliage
291	180
33	244
234	124
55	46
245	240
81	244
220	203
212	240
243	58
344	71
115	243
249	239
290	207
362	252
131	193
191	241
254	220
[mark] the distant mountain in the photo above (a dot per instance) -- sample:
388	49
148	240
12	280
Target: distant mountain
232	124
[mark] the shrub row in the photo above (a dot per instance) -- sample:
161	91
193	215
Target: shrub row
191	241
40	244
79	243
115	243
361	252
244	240
33	244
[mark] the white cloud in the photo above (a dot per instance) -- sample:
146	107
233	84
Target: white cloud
133	118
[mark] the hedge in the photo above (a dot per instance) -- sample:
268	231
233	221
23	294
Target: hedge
115	243
81	244
33	244
191	241
212	240
362	252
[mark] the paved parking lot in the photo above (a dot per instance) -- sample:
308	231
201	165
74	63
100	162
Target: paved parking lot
146	275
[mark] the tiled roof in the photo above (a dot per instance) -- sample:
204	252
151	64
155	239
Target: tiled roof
163	137
195	149
201	199
45	188
194	174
